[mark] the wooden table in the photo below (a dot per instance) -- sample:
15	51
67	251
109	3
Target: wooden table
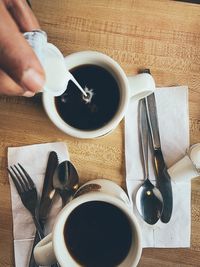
161	35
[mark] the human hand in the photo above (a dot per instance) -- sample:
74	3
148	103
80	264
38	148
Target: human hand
20	71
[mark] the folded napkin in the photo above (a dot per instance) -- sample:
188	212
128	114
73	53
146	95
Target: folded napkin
34	159
172	109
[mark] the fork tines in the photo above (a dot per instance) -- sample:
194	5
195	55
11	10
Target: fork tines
21	178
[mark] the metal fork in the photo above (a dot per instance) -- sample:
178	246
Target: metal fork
27	192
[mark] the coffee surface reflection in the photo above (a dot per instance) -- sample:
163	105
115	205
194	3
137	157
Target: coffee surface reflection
104	102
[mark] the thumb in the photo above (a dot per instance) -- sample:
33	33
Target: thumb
17	58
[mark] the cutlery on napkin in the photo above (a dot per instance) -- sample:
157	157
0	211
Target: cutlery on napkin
172	109
163	180
23	227
48	193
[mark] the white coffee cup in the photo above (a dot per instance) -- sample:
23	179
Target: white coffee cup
135	87
53	248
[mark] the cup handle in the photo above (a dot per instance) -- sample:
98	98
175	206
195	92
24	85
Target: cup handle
141	85
43	252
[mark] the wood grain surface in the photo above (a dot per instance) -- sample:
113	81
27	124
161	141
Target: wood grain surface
161	35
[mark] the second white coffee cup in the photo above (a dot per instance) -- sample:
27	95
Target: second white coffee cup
135	87
54	247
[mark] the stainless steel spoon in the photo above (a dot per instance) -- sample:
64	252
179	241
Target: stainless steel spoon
149	200
65	180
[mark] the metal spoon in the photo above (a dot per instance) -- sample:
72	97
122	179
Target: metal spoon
149	200
65	180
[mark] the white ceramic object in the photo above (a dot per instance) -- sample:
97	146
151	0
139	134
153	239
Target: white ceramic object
194	154
135	87
52	248
188	167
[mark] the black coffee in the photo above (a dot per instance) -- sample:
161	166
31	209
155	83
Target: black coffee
98	234
105	101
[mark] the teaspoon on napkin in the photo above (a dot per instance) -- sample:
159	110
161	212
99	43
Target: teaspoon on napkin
149	200
65	181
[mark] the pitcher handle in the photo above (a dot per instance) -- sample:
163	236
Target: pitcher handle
141	85
44	253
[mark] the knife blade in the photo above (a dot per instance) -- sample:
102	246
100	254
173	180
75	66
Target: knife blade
48	193
163	180
48	189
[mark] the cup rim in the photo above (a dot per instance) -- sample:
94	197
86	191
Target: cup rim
58	238
85	57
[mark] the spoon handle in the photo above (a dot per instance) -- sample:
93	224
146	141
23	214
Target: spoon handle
144	136
66	195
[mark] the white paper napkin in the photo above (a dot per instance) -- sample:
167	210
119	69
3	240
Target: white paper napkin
34	159
172	109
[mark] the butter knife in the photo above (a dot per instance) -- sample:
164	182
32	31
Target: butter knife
48	190
46	198
163	180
